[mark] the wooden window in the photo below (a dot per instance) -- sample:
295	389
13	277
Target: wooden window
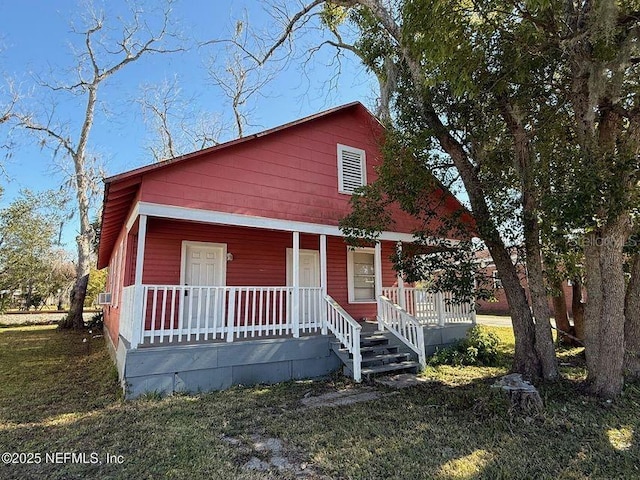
361	275
497	283
351	169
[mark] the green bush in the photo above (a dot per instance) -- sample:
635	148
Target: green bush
96	322
478	348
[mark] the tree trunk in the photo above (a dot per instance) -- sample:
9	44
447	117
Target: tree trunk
560	313
632	322
604	333
577	308
525	359
523	160
540	303
74	318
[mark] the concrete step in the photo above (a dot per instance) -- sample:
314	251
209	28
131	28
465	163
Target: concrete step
377	349
375	339
387	358
365	351
390	367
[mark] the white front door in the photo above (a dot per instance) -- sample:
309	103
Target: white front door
203	265
308	276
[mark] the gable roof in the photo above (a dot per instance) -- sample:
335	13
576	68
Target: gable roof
121	190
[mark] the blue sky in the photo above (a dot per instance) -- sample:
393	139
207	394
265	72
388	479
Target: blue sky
36	41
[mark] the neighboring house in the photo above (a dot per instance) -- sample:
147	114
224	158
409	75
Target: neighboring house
227	266
498	305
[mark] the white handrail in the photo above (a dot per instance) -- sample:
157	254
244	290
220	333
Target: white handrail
404	326
347	331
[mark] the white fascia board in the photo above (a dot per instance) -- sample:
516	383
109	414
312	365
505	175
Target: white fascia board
133	217
239	220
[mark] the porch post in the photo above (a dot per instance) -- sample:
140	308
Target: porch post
323	282
295	299
401	298
377	265
472	304
138	316
440	308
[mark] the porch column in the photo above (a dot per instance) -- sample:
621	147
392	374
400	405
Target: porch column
323	282
440	308
377	265
138	316
401	298
295	298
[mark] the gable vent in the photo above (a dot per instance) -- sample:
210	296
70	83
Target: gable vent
351	169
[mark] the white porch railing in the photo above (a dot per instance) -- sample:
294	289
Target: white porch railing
405	327
127	312
347	331
180	313
431	308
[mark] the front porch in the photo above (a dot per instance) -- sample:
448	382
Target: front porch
210	338
183	320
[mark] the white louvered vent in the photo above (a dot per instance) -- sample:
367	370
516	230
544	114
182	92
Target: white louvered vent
351	169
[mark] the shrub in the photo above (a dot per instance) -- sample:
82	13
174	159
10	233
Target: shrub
477	348
96	322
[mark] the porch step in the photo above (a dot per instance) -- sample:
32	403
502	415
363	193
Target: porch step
379	349
409	366
378	356
374	339
384	358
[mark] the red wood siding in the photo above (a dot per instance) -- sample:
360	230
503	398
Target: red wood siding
259	258
291	174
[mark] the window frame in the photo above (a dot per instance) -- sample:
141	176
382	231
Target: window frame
497	281
351	274
363	167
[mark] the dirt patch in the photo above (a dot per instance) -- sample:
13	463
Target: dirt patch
272	454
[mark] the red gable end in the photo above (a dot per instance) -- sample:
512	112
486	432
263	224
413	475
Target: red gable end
288	173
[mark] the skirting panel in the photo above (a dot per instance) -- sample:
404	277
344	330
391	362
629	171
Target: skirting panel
216	366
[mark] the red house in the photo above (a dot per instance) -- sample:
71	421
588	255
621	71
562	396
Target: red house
227	266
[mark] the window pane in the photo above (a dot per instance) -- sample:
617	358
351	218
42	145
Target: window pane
362	281
364	294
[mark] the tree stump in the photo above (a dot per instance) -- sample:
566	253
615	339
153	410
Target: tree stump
522	394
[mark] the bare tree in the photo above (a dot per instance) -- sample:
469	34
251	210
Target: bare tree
177	127
238	72
101	57
7	113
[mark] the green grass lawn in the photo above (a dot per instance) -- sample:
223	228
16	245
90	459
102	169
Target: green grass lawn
58	394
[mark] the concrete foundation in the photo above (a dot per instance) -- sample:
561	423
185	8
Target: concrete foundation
216	366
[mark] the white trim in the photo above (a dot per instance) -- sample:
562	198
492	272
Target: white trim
183	257
132	217
377	268
323	264
363	167
142	235
236	219
295	282
350	274
323	279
